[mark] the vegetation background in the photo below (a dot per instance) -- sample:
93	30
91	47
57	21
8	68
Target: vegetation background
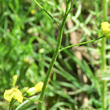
28	39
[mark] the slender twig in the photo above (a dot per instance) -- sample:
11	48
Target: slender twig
81	43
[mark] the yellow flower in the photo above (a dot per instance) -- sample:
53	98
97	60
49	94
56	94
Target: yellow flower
106	29
13	93
32	12
38	87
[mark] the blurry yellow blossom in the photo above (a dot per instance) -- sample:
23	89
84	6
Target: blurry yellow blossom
13	93
32	12
28	60
106	29
38	88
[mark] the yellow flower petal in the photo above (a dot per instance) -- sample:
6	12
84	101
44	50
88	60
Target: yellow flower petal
18	95
39	86
8	95
13	93
106	29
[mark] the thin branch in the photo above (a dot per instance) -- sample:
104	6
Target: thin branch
80	43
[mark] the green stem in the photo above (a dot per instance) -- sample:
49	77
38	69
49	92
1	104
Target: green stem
52	62
104	95
55	53
104	39
33	98
103	53
47	13
81	43
104	10
11	104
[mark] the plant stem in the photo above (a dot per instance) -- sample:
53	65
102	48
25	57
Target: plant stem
33	98
54	55
52	62
104	39
103	52
104	95
11	104
82	43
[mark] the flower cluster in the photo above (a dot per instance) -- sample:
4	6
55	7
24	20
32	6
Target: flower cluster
15	93
106	29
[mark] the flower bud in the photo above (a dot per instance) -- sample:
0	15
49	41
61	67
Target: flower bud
13	82
38	88
106	29
31	91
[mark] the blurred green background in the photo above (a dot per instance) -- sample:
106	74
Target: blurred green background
28	39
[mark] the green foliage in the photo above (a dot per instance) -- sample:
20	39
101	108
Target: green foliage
27	43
